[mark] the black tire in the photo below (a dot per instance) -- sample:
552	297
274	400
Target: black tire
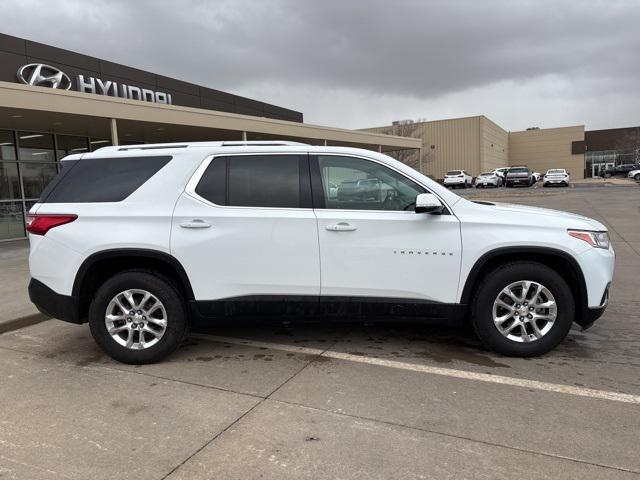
177	322
508	185
636	177
490	286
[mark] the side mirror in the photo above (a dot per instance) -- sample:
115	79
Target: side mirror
428	203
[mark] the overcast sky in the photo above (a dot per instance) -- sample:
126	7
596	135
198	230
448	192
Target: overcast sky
358	64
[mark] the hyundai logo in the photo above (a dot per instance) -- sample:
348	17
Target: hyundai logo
41	75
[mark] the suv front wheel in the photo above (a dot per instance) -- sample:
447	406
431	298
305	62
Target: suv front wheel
522	309
137	317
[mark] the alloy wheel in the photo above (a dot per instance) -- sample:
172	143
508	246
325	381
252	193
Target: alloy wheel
524	311
136	319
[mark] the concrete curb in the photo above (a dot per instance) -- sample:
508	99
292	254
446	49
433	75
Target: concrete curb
22	322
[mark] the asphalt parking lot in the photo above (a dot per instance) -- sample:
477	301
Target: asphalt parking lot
339	401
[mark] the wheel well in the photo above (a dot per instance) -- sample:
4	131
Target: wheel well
98	268
561	262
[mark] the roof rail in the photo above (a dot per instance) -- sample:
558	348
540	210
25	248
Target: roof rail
151	147
259	143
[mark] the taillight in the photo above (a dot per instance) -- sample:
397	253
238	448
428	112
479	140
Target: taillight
41	224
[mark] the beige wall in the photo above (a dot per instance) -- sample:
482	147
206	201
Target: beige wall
477	144
456	144
549	148
494	146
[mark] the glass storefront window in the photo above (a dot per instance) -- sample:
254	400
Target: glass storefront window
7	146
11	220
97	143
36	176
68	145
28	204
9	181
36	147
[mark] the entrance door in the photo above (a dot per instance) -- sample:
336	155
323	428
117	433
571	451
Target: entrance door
372	243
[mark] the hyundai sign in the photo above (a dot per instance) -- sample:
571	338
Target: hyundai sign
41	75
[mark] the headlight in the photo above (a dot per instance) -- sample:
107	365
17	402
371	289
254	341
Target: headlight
595	239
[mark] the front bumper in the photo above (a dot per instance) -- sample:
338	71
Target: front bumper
590	315
518	181
53	304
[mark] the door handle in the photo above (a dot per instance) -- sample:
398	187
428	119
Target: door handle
197	223
341	227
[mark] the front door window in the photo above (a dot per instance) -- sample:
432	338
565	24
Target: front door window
356	184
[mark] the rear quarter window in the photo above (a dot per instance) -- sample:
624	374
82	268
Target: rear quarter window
102	179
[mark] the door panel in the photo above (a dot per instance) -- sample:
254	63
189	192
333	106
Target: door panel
372	243
390	254
230	250
246	251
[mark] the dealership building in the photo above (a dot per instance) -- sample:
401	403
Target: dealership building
55	102
477	144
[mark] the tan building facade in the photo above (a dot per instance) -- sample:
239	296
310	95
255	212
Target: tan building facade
548	148
477	144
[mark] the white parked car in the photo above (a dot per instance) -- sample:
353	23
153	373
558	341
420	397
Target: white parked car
537	176
556	176
458	178
635	174
143	241
502	171
488	179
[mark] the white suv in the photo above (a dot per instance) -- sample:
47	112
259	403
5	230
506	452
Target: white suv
143	241
458	178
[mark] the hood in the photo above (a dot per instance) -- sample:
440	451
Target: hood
547	216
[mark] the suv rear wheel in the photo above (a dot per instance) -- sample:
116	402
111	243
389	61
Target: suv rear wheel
522	309
137	317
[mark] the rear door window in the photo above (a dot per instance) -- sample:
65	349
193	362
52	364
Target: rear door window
101	179
276	181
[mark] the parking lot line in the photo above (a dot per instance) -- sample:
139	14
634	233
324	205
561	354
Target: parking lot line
447	372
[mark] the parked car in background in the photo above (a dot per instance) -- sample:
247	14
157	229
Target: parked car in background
458	178
556	176
520	175
537	176
635	174
502	172
621	170
488	179
366	189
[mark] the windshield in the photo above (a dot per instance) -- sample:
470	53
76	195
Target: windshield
557	170
486	174
518	170
454	172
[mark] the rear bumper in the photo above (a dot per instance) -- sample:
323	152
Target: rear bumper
53	304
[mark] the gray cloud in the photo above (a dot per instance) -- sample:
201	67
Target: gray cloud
360	63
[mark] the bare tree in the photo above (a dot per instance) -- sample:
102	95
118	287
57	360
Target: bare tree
414	158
